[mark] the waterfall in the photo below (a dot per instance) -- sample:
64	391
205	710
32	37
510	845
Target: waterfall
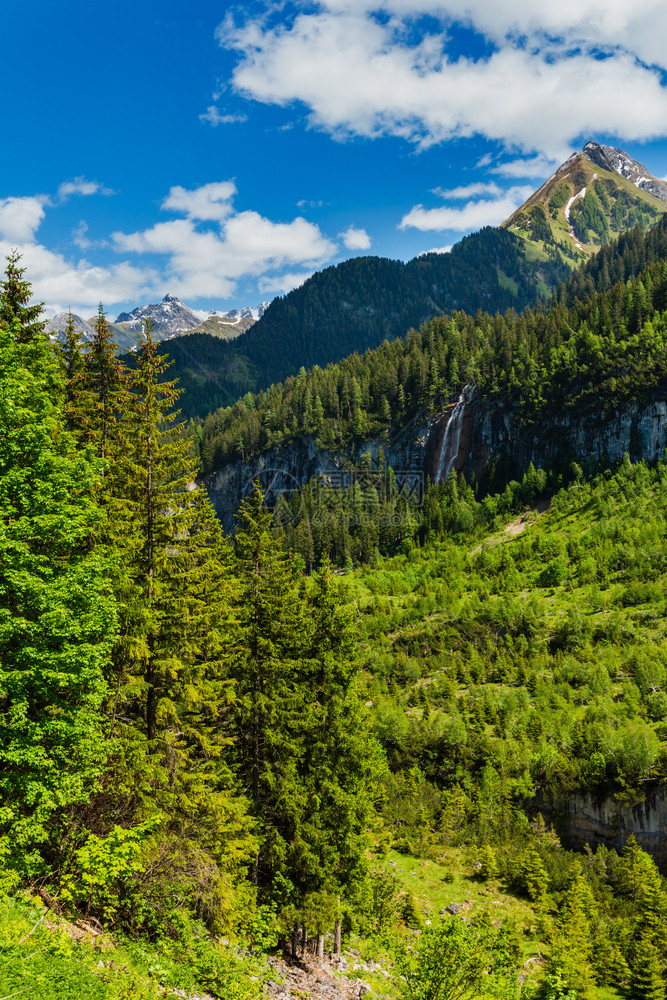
449	448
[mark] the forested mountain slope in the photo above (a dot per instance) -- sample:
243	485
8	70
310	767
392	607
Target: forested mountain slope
208	752
596	195
588	350
354	306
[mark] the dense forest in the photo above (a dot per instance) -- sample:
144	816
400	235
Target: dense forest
356	305
602	339
213	748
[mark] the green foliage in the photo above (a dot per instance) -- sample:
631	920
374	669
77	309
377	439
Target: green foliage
456	961
57	616
353	307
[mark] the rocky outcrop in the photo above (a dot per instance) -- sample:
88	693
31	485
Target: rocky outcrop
587	819
588	436
284	469
335	979
488	432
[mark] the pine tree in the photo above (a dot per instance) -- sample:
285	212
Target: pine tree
57	617
105	385
171	551
169	670
72	365
535	875
341	760
15	294
646	981
572	950
268	716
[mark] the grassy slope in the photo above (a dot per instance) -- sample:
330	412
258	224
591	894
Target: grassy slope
571	181
562	616
43	957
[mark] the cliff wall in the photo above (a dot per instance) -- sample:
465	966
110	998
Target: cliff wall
585	819
489	432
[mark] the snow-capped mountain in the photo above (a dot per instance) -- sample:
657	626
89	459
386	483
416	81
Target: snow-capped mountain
56	327
234	315
171	316
615	160
595	195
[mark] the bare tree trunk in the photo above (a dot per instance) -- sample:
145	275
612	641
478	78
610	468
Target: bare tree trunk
304	941
320	946
295	942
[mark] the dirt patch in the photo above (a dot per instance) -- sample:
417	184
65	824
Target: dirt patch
515	527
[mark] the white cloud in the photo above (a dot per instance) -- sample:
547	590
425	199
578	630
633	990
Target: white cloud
283	284
206	262
80	236
468	191
560	70
209	202
356	239
83	187
213	116
640	27
446	249
82	285
473	215
20	218
535	166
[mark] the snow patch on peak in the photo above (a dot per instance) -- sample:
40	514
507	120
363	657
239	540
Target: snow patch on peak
617	161
56	327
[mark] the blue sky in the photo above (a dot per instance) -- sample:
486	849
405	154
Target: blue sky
225	154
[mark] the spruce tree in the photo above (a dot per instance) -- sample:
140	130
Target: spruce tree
646	981
171	546
105	385
15	294
72	366
57	616
268	717
169	665
342	760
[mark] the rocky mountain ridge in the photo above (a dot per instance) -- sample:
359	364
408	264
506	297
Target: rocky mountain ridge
55	327
171	316
596	194
614	159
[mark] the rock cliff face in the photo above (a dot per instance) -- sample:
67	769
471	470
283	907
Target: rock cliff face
587	820
587	436
488	432
283	470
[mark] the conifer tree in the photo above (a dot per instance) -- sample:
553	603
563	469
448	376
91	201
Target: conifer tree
168	667
15	294
57	616
105	384
72	365
646	981
172	552
342	759
268	716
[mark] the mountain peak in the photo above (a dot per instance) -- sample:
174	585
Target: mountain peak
618	162
596	194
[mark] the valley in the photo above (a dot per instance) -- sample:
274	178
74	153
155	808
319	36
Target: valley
351	679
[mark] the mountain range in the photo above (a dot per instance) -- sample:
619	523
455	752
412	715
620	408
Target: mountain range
598	193
169	318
